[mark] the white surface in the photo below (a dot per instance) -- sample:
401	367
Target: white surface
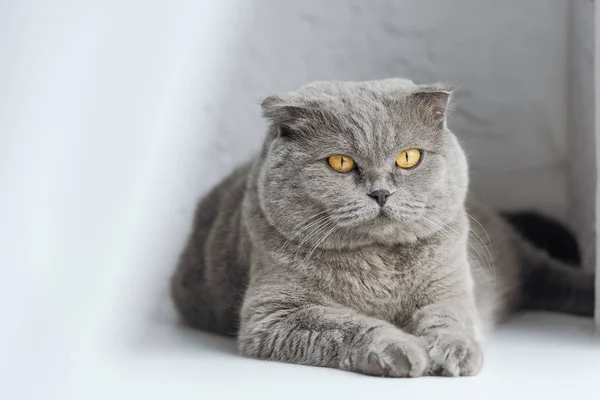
537	356
116	115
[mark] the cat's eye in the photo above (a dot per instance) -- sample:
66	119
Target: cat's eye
408	158
341	163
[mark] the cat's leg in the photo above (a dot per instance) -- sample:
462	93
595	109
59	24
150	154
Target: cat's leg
450	328
449	321
548	284
280	329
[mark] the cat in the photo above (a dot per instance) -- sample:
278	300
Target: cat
352	241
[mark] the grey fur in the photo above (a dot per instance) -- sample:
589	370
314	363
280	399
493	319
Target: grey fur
298	261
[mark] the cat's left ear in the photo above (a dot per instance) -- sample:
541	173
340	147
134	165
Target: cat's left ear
433	104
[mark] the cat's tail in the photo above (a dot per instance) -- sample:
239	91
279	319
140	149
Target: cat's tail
549	284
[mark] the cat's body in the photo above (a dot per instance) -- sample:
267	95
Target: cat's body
300	263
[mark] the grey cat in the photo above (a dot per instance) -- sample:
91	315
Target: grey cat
351	241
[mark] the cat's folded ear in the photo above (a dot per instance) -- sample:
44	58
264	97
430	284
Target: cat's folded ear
282	109
432	104
285	112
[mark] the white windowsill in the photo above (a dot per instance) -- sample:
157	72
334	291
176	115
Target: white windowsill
537	356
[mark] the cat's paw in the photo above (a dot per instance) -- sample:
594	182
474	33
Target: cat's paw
454	355
393	354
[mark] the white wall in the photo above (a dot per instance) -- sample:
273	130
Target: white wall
508	56
580	158
116	115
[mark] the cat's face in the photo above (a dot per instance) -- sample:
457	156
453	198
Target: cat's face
353	163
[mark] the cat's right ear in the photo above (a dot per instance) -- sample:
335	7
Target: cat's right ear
283	114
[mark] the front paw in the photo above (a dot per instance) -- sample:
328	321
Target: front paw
454	354
391	353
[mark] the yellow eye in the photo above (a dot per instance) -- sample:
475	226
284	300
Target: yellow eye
341	163
408	158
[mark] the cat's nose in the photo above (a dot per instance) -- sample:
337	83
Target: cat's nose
380	196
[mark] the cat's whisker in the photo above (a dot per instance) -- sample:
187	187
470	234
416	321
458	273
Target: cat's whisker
307	224
457	234
335	227
484	231
413	206
399	211
489	240
487	263
349	218
321	227
489	258
447	235
438	227
307	220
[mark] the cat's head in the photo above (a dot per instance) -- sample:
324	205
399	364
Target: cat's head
362	162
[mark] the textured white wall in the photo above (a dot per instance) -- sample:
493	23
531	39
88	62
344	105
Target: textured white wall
508	56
